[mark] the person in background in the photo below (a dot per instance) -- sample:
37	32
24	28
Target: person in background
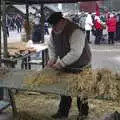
75	19
36	34
7	30
111	24
118	27
99	29
46	28
88	26
69	52
18	24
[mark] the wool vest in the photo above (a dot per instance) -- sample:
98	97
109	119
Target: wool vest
61	42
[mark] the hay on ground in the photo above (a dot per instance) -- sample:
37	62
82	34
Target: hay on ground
86	83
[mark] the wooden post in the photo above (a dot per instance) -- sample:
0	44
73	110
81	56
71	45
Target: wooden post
12	102
5	49
27	21
0	33
42	20
1	89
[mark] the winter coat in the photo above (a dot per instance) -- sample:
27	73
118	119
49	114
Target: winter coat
36	34
88	22
98	25
111	24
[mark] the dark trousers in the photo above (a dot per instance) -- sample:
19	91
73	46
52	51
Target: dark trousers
65	105
88	36
7	31
118	31
98	36
110	37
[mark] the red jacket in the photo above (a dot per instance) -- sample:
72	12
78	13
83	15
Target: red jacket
98	25
111	23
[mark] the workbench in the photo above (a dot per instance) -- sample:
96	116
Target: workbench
25	57
15	80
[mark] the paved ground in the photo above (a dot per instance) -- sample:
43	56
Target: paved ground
105	56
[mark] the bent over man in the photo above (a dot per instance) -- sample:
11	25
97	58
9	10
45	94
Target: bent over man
70	52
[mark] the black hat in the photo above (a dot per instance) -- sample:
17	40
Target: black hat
54	18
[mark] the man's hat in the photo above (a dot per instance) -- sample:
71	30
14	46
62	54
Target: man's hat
54	18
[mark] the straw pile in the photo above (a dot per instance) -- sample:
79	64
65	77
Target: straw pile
96	83
88	83
41	107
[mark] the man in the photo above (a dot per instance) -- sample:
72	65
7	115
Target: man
88	26
68	51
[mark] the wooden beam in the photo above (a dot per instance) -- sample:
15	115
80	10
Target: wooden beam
44	1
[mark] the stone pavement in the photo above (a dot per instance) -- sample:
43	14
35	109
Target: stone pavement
106	56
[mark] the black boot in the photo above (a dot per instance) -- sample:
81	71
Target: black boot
59	115
64	107
83	108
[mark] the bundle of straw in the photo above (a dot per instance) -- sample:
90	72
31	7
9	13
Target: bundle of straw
86	83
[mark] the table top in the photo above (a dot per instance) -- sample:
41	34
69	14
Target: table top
29	51
15	79
36	47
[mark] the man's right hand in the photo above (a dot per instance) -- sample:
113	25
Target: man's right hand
51	63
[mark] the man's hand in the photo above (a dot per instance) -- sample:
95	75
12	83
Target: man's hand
57	65
51	63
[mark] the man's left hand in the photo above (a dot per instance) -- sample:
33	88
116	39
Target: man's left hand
57	65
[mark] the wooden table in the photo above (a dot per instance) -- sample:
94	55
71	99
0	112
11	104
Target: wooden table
25	55
15	79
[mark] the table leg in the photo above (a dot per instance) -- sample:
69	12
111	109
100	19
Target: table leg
43	59
46	56
1	93
24	63
12	102
29	58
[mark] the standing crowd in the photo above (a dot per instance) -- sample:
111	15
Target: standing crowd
98	23
14	23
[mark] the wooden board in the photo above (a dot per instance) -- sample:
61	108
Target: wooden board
15	79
